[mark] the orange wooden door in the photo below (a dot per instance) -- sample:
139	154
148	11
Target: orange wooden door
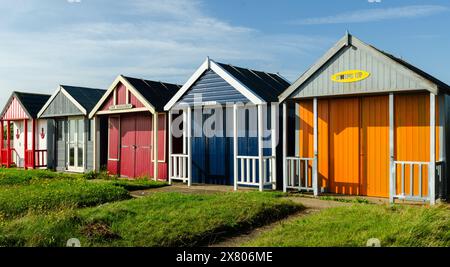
344	146
375	146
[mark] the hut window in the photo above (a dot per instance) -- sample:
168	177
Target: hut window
89	131
59	130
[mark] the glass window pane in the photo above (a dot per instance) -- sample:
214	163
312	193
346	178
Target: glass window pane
72	130
71	156
80	131
80	157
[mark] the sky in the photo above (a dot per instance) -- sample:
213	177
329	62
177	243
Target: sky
44	43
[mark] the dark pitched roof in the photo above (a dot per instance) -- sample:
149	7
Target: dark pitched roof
420	72
86	97
156	93
268	86
32	103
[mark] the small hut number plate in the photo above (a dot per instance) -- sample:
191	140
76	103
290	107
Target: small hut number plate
350	76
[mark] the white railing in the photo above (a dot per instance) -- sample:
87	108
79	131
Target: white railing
299	173
410	180
248	168
179	167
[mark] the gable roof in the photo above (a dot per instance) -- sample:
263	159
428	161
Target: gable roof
431	83
82	97
157	93
152	94
86	97
30	102
422	73
258	86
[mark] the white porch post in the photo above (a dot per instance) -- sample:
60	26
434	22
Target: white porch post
432	167
235	145
284	147
94	142
260	148
185	131
316	146
392	176
189	148
442	145
170	145
155	145
274	123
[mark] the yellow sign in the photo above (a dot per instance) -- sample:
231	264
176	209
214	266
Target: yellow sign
350	76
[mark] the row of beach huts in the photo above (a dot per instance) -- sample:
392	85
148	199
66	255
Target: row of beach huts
358	122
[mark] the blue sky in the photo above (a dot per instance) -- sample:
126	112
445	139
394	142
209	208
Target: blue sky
89	42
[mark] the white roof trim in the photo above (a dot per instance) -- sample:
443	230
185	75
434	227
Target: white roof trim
204	67
49	101
210	64
346	41
121	79
328	55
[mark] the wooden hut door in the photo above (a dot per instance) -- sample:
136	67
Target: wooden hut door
344	146
128	146
136	148
76	144
375	146
215	145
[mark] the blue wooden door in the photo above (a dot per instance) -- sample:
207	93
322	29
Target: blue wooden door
212	157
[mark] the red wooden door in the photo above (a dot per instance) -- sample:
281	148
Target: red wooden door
128	146
143	152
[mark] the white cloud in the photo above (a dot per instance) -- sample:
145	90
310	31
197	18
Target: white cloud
161	40
377	14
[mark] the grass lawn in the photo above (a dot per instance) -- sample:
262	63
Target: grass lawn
45	195
161	219
351	226
134	185
24	191
22	177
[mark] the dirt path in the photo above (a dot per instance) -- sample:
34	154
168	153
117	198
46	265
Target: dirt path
312	206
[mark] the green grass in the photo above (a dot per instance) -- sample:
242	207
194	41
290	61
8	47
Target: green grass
351	226
161	219
138	184
23	177
48	194
357	200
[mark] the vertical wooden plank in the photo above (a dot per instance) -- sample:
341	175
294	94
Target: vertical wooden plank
432	167
189	149
235	146
95	149
33	143
155	145
25	147
8	136
3	142
316	149
274	123
285	178
392	175
169	133
254	170
247	167
260	147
